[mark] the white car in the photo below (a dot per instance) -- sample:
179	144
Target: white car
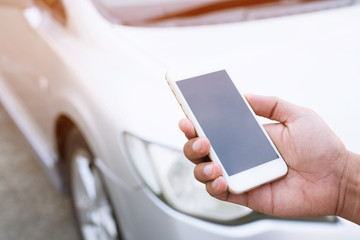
85	82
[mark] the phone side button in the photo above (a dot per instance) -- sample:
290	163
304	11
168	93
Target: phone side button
178	100
182	108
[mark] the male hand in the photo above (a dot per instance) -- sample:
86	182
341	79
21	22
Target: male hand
317	160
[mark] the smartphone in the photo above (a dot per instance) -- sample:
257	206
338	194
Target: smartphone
238	141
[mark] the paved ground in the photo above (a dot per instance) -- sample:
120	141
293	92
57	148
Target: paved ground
30	207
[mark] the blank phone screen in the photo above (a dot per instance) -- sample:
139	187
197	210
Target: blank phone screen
227	122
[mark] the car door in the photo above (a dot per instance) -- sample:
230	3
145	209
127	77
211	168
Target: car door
27	64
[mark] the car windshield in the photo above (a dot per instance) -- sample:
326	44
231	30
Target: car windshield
162	13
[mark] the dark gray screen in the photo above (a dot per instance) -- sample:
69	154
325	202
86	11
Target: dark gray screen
226	120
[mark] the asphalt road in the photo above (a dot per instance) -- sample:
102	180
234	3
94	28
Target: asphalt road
30	207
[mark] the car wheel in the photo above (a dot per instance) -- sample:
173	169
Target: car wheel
90	200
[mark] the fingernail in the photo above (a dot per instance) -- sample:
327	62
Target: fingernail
208	170
197	145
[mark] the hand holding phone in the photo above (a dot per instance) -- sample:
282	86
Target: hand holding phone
319	165
238	142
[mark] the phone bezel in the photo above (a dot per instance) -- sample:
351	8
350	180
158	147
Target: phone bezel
244	180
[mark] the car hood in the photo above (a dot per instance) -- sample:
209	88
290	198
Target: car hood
310	59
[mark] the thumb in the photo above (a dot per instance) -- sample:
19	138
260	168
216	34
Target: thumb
273	108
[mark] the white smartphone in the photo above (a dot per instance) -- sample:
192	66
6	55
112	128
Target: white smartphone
238	141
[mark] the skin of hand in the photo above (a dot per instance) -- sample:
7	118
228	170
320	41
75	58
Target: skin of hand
322	177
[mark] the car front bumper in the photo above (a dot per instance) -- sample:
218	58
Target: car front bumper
142	215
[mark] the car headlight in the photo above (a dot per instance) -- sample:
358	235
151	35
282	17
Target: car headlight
169	174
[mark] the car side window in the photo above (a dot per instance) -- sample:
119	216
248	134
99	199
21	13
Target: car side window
55	8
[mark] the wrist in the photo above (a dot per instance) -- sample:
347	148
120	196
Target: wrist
349	190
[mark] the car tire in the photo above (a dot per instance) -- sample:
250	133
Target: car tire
90	200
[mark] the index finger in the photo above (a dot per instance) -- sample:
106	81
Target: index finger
188	128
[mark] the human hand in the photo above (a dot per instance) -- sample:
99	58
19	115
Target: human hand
318	164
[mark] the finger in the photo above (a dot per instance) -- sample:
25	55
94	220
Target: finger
273	108
197	149
188	128
205	172
218	188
